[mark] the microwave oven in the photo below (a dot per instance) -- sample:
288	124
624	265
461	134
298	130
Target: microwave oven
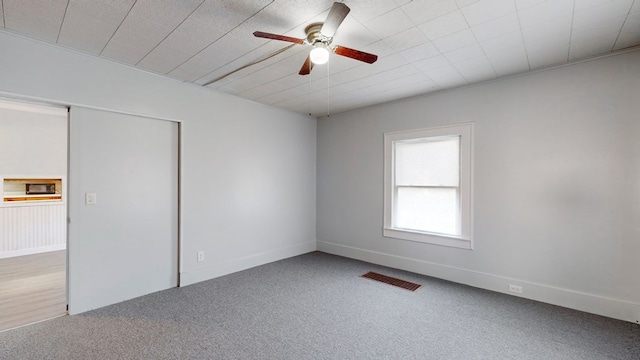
39	189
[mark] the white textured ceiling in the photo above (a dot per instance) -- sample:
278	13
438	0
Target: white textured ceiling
423	45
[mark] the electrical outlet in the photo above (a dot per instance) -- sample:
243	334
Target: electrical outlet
515	289
200	255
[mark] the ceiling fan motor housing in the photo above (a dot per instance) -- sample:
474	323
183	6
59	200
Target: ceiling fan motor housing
314	35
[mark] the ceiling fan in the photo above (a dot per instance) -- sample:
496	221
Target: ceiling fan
320	35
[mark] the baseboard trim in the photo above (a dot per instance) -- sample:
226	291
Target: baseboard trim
215	270
591	303
31	251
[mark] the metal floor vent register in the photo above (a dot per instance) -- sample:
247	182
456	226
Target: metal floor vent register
392	281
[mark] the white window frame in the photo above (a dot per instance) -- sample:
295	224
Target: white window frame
465	239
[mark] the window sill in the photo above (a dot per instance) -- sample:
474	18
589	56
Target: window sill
429	238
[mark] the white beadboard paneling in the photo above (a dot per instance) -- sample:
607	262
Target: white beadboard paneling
32	227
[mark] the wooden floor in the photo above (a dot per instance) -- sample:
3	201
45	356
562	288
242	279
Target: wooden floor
32	288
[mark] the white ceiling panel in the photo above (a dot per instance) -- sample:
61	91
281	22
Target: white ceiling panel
448	24
420	52
487	10
523	4
542	54
551	31
503	42
405	40
464	3
498	27
39	19
596	15
353	33
238	63
148	23
422	45
584	45
78	33
219	54
371	9
446	77
466	53
204	62
426	10
475	70
509	61
545	11
197	32
432	63
630	32
605	5
388	24
456	41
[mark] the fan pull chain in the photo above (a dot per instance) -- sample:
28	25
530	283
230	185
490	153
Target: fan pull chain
309	97
328	72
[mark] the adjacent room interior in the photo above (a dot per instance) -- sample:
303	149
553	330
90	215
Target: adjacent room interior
189	176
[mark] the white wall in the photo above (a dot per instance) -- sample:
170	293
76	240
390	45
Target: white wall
556	190
248	170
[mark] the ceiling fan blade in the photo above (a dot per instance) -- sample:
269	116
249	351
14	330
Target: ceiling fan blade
336	15
306	67
265	35
355	54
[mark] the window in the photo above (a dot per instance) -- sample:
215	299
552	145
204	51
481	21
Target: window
427	189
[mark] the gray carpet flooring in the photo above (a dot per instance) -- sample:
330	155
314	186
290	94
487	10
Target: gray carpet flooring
316	306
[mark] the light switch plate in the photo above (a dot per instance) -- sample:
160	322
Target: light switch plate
90	198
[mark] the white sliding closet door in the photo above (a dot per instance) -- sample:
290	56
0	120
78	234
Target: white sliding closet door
126	244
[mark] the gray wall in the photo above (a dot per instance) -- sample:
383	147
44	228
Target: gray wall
248	170
556	190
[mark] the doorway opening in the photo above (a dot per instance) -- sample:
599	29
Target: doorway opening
33	212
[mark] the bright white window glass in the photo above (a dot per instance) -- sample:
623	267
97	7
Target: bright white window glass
427	194
426	181
427	209
427	162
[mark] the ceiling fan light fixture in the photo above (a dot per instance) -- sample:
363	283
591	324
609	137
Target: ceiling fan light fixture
319	54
